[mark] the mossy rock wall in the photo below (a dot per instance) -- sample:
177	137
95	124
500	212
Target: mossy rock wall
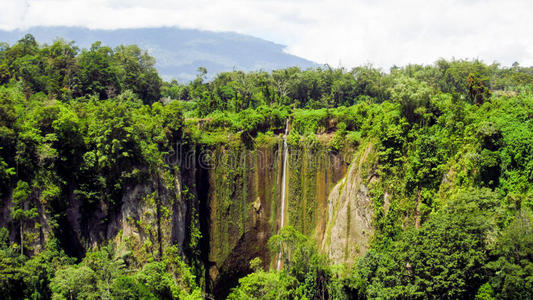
313	171
350	211
244	200
242	186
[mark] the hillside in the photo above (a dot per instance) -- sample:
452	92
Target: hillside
179	52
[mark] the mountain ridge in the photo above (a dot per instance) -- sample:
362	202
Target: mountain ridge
178	52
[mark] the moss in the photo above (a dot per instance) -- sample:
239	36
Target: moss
265	140
349	226
294	188
310	196
312	174
244	179
230	194
335	211
275	188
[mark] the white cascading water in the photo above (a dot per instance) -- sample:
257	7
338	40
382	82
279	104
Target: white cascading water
283	183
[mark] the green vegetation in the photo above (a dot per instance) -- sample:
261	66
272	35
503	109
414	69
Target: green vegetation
92	208
61	71
304	276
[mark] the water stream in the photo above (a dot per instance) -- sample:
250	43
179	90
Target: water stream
284	183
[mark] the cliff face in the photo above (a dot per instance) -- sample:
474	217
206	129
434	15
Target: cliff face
244	202
151	218
349	212
148	218
243	188
231	195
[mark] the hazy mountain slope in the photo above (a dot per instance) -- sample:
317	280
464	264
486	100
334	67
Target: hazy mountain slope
179	52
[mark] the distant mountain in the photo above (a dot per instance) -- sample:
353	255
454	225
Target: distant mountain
179	52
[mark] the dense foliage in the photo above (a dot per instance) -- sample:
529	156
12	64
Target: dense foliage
454	144
62	71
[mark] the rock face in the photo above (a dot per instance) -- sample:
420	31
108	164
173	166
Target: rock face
242	192
233	203
244	202
149	218
349	212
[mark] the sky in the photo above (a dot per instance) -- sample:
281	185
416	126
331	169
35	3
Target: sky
337	32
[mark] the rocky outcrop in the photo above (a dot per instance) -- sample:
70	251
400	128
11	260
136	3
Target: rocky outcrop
349	211
152	217
148	217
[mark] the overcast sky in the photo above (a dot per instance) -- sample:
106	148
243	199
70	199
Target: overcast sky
337	32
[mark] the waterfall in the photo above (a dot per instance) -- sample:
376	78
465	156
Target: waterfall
284	183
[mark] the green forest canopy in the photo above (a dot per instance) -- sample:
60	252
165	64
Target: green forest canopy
103	119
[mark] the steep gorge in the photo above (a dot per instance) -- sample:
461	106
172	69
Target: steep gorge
327	195
231	194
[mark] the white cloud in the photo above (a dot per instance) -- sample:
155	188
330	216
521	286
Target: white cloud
12	13
383	32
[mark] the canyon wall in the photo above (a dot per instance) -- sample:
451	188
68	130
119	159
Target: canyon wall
221	203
